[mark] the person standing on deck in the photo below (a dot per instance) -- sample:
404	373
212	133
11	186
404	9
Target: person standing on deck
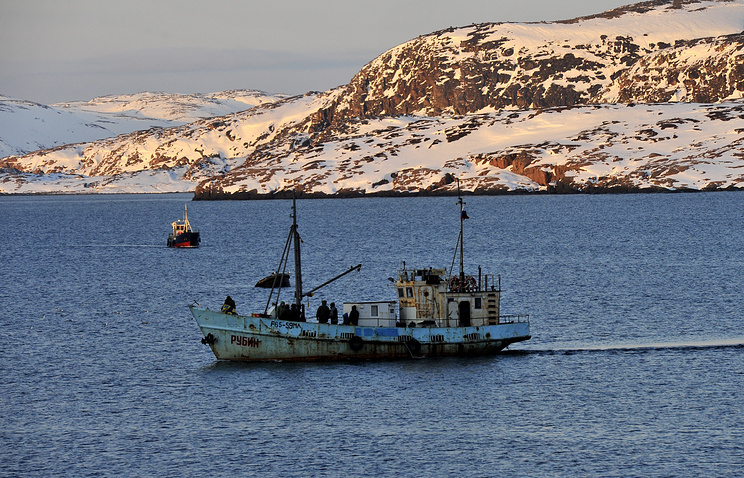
295	314
323	313
282	312
334	313
354	316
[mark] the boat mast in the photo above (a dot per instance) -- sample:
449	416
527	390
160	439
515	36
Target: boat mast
298	266
186	217
462	218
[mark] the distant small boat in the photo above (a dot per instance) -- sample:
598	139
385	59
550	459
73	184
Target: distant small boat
274	280
183	235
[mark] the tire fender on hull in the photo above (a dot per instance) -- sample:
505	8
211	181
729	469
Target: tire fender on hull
356	343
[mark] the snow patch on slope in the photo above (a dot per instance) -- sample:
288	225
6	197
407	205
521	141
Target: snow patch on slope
27	126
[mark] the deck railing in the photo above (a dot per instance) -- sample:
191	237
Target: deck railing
483	282
503	319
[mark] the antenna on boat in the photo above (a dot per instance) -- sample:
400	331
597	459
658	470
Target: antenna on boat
463	216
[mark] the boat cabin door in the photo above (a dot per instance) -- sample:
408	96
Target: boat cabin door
458	313
463	309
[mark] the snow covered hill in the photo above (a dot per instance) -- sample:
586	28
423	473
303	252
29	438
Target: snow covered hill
266	150
26	126
645	96
174	107
609	147
159	159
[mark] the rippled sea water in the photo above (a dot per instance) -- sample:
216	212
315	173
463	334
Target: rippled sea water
635	368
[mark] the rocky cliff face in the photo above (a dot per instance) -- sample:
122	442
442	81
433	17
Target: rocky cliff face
544	65
698	71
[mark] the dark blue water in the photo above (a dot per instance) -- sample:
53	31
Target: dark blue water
635	368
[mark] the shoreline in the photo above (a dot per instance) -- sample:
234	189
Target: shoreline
352	194
347	194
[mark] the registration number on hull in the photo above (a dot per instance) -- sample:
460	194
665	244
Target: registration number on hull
286	325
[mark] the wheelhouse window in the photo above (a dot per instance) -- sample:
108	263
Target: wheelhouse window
400	292
409	291
478	301
374	311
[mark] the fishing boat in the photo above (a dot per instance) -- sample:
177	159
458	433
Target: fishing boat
183	235
437	313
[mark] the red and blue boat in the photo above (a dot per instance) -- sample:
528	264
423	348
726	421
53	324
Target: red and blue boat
183	235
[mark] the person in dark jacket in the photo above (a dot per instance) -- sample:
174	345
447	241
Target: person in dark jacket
323	313
283	312
354	316
296	314
229	306
334	313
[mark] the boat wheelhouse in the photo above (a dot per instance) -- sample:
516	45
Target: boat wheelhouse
431	297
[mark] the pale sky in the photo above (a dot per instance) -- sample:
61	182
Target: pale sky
63	50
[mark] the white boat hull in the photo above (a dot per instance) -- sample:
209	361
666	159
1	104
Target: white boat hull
251	338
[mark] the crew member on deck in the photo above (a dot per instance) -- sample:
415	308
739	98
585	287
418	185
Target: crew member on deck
323	313
354	316
294	313
282	312
229	306
334	313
